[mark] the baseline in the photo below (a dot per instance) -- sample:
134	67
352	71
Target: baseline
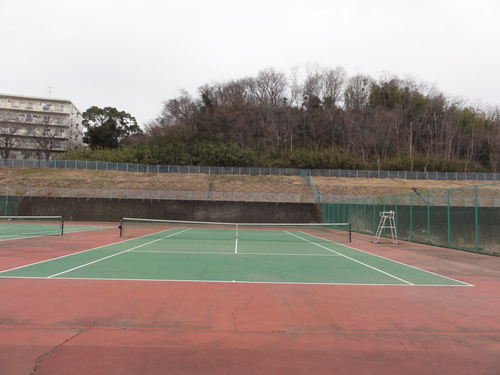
352	259
462	283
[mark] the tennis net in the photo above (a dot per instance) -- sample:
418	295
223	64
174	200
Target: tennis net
203	231
21	226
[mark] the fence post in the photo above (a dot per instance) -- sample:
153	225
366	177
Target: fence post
476	217
364	216
6	201
428	218
411	216
448	209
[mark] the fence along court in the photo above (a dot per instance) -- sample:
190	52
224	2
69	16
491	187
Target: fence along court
465	218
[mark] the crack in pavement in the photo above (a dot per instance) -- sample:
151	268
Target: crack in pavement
405	351
40	358
238	308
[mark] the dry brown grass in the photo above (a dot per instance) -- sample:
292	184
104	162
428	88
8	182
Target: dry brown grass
91	179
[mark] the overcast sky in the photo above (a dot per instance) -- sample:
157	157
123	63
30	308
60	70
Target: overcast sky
133	55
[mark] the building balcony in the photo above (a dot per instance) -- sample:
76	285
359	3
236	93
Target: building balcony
36	107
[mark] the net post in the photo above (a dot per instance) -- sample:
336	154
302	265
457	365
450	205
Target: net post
62	226
121	228
349	238
236	230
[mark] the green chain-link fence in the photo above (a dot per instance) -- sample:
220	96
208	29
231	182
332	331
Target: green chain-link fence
9	205
460	218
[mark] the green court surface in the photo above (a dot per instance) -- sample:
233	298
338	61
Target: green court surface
220	256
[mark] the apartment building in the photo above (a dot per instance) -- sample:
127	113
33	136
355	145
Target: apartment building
37	127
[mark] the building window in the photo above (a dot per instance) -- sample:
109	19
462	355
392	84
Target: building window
60	107
15	104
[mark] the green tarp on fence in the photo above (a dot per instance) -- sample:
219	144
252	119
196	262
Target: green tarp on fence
9	205
460	218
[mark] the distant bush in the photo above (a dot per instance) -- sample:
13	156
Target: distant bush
232	155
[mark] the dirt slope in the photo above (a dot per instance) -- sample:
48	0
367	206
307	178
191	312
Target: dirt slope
337	187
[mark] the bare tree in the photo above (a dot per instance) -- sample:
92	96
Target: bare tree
312	87
269	87
493	139
357	92
267	95
295	88
47	135
450	133
233	92
181	110
10	132
333	82
324	86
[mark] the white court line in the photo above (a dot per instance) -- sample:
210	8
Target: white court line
226	253
390	260
354	260
332	251
113	255
183	252
70	229
224	281
26	235
80	252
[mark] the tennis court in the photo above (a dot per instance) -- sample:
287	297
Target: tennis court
19	227
261	253
158	297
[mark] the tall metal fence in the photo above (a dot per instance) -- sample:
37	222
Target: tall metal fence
145	168
466	218
9	195
9	205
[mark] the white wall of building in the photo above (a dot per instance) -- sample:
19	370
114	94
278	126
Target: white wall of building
35	117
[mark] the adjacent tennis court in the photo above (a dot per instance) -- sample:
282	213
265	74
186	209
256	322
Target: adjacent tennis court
19	227
217	252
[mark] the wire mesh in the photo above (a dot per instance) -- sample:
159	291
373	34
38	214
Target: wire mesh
460	218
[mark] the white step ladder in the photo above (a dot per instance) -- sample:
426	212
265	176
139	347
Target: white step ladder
384	216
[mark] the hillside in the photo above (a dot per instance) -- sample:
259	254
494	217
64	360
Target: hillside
333	188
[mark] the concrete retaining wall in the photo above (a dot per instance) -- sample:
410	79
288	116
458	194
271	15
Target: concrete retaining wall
112	210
